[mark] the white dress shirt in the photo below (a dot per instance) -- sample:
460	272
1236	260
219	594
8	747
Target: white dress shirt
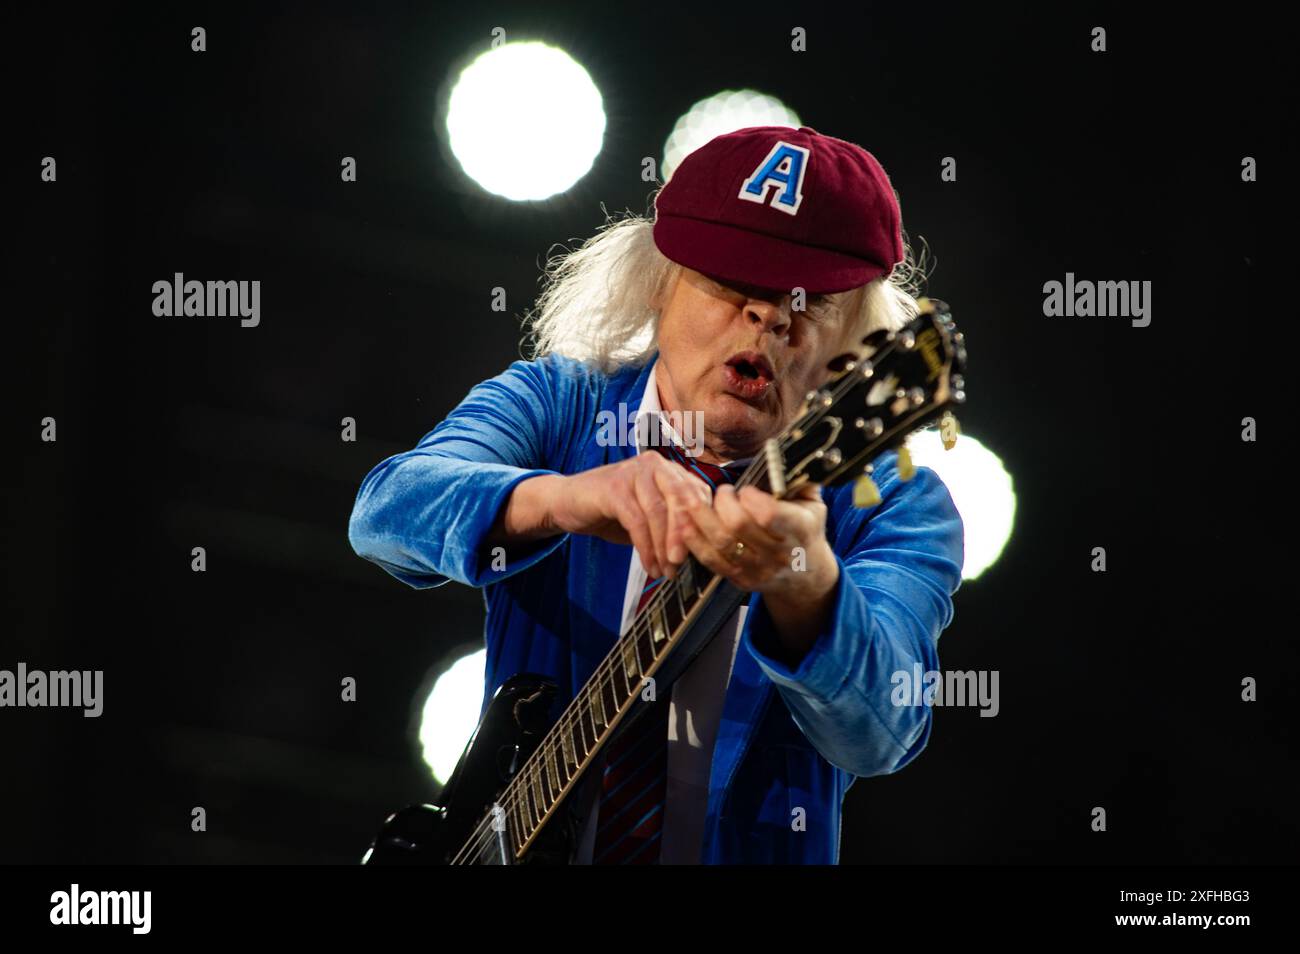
694	711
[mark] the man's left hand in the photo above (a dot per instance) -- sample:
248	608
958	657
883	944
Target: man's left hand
785	556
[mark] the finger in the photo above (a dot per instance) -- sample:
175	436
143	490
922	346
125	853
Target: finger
737	509
634	522
808	491
760	548
655	507
682	492
707	553
726	524
707	526
802	515
719	556
782	519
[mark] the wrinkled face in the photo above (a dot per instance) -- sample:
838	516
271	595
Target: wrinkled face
739	355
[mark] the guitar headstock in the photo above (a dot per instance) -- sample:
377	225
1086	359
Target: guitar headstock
898	382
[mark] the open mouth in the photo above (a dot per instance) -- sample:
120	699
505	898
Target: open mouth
748	374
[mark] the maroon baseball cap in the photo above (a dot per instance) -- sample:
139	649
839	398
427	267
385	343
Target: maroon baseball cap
780	207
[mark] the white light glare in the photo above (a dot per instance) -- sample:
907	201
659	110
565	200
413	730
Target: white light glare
525	121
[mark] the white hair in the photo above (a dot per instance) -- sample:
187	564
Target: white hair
595	305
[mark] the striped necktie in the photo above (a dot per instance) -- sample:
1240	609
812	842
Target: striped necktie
631	808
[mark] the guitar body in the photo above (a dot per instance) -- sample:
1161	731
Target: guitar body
514	723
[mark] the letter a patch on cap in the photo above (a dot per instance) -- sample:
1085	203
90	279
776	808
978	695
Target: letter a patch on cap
782	170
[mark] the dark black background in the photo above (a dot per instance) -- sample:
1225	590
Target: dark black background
1119	689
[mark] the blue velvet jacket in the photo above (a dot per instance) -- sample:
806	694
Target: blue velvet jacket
789	739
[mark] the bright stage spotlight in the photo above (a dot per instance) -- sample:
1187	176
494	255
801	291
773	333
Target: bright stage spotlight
525	121
721	113
980	487
451	713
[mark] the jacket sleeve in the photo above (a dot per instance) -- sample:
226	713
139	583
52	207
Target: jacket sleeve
423	514
900	563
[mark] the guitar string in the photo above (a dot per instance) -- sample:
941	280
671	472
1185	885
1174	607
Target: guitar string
483	833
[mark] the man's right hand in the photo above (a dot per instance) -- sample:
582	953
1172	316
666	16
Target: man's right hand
643	500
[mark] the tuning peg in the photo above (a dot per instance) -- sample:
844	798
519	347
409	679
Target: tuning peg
906	469
949	428
865	492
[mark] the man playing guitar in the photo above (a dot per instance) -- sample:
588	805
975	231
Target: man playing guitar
772	253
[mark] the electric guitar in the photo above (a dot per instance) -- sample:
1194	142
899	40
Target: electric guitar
503	803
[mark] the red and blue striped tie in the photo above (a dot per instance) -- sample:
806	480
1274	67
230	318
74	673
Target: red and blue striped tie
631	812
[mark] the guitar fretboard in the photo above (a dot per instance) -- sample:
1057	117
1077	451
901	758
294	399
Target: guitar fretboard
616	686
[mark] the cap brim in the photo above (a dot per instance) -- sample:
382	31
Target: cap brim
739	255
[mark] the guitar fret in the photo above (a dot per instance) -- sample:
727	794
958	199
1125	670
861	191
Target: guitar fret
520	809
625	689
535	812
597	705
630	664
516	836
577	734
566	744
595	729
610	697
507	824
540	802
568	767
645	651
589	733
575	737
579	740
658	629
535	775
553	776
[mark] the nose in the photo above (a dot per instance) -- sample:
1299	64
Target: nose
769	314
